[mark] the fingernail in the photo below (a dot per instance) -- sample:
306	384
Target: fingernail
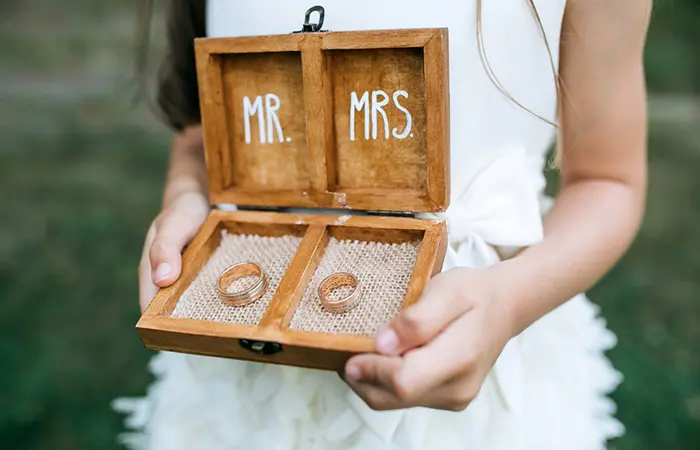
387	341
162	272
353	372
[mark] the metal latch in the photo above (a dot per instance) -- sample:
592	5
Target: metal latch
260	347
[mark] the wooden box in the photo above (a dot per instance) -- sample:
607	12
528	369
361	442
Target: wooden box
352	123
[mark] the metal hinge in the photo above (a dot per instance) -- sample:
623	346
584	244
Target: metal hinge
340	211
391	213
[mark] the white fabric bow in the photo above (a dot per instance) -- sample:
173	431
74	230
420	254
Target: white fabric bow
501	207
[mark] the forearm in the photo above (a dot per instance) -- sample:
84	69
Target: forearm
590	227
187	171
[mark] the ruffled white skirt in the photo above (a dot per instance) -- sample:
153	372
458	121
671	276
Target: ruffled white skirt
547	391
216	404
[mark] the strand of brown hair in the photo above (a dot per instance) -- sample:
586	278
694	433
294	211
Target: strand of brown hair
492	75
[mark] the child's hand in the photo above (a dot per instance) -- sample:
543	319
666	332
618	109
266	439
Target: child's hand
438	352
175	226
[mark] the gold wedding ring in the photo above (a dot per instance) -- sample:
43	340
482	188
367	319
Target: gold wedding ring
344	304
248	295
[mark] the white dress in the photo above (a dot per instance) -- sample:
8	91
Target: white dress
548	389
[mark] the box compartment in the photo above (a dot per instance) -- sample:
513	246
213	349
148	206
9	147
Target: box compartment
282	317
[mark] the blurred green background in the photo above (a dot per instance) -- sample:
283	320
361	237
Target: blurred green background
81	173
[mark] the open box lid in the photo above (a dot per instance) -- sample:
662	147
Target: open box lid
353	120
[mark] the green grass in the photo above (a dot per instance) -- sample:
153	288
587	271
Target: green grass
76	202
650	300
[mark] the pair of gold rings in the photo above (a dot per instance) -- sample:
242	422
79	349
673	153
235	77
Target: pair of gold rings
255	291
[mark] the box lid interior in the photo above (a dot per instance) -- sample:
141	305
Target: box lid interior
352	120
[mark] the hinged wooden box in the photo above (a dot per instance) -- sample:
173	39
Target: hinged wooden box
346	123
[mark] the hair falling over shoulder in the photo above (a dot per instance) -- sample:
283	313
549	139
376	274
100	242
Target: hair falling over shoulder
177	92
489	71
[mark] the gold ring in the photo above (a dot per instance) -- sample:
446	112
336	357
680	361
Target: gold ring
247	295
344	304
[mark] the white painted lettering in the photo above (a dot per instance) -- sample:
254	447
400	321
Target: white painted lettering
377	106
250	109
358	104
272	104
376	103
409	119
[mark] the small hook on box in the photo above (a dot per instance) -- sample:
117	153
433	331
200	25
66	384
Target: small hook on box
310	27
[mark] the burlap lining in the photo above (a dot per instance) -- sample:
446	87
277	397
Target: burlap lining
383	270
201	300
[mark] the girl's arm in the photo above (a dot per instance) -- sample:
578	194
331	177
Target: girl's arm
602	149
185	206
438	352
